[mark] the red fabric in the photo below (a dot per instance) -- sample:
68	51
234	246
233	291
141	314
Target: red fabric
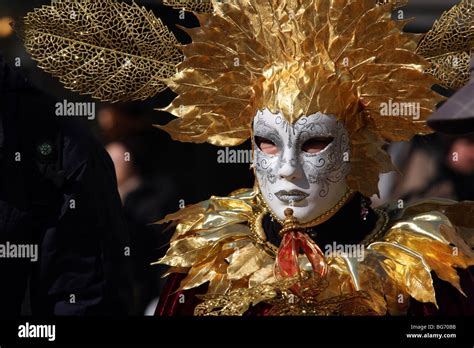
287	264
174	302
170	303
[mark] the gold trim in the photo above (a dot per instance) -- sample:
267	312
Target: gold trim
291	223
258	234
379	229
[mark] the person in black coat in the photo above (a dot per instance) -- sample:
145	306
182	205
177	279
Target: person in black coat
58	194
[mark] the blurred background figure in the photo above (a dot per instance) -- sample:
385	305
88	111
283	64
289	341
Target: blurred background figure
148	188
438	165
118	121
442	164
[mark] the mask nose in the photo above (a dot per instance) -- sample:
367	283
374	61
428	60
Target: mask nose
289	166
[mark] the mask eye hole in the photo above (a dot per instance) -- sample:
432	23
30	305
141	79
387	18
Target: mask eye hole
266	145
316	145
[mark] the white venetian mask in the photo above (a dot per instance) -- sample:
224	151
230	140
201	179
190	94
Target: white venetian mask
302	165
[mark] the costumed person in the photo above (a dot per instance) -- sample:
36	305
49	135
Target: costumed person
317	85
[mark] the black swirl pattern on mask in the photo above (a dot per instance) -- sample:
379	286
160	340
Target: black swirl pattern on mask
329	168
264	164
271	177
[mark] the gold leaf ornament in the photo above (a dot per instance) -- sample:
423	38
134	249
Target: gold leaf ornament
286	300
108	49
447	46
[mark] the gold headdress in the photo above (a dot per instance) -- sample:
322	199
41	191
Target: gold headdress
339	57
343	58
